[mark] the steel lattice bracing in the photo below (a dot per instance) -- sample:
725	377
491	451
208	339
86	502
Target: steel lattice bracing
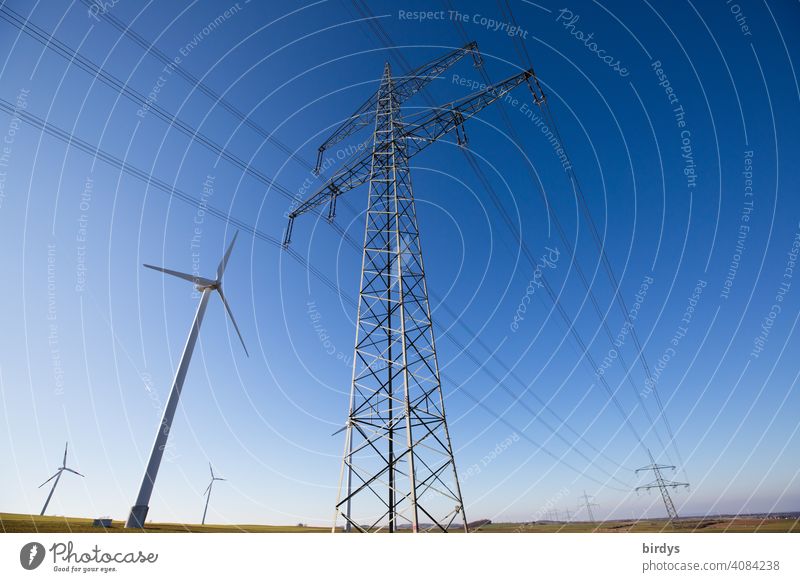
398	463
404	88
398	469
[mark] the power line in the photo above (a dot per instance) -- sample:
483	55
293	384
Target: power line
603	317
74	58
97	153
49	41
198	84
365	12
599	245
54	44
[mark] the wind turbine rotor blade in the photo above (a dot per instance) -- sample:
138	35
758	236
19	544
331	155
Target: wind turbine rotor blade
212	470
224	262
74	471
64	464
50	479
208	488
233	321
185	276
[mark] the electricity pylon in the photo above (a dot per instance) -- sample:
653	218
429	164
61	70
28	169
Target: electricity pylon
398	468
662	485
588	504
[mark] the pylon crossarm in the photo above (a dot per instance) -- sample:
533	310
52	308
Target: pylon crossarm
352	175
404	88
651	467
427	129
430	125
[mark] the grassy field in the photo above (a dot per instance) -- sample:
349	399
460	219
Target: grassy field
22	523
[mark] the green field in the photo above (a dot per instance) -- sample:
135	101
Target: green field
23	523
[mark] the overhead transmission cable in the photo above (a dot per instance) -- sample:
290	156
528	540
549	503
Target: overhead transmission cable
602	316
599	245
54	44
386	39
96	153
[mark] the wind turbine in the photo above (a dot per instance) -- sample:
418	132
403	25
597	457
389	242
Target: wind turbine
57	476
207	492
206	287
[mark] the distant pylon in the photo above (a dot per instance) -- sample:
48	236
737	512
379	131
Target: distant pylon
662	485
588	504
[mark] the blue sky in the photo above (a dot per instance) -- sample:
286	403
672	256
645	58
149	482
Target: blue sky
674	180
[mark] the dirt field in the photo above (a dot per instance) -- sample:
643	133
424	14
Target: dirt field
716	525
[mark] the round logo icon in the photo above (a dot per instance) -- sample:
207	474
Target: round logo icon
31	555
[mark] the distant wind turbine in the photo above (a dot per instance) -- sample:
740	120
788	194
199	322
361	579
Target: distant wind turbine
207	492
207	287
57	476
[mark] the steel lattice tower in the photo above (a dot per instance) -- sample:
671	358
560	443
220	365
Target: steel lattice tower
588	504
398	455
398	469
662	485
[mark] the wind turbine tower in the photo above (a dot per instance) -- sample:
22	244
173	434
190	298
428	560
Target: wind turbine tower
57	476
139	511
207	492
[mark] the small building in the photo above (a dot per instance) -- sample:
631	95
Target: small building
102	522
